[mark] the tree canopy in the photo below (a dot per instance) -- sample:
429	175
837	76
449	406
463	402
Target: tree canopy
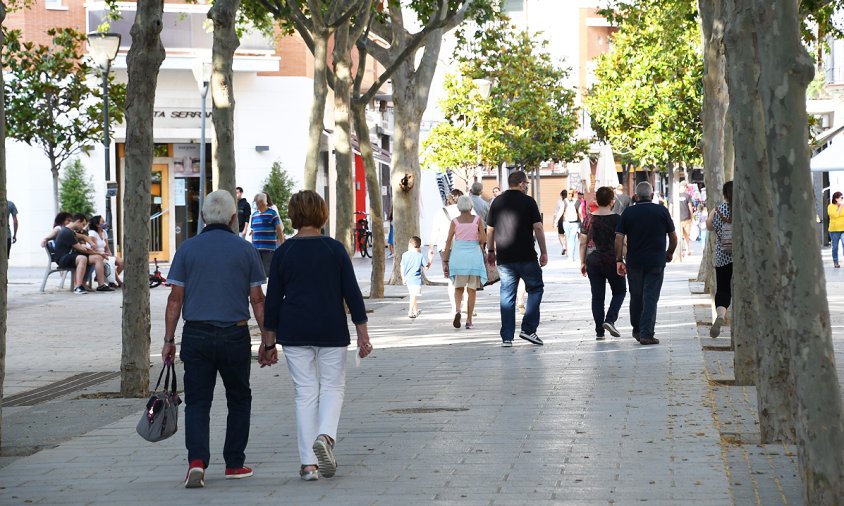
52	99
648	90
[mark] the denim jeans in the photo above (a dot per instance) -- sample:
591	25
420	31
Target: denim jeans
510	274
645	285
598	279
572	228
207	350
835	238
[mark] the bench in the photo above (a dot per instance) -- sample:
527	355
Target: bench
52	266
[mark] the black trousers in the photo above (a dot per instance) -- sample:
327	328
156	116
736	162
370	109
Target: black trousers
723	282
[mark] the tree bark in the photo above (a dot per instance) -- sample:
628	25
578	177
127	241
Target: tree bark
143	63
344	193
761	351
317	119
223	14
376	212
4	259
411	87
405	167
785	72
715	101
54	171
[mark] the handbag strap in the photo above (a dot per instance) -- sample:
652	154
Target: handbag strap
161	375
172	368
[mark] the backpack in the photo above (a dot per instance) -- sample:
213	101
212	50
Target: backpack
725	238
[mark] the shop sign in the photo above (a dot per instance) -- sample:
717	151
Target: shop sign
179	117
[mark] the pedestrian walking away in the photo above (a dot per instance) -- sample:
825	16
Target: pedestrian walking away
597	261
835	210
441	223
464	259
686	211
312	275
558	220
570	216
244	212
214	278
514	222
413	262
11	226
622	201
480	206
721	221
267	234
645	227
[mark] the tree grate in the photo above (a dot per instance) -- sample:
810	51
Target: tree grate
58	389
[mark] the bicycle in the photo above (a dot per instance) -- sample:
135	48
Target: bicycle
156	279
362	236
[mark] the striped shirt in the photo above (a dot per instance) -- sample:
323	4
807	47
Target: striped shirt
263	229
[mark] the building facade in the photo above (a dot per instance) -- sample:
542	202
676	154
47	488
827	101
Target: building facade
273	86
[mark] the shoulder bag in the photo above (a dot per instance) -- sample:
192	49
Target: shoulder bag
160	418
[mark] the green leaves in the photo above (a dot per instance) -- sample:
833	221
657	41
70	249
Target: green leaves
279	186
648	94
77	193
53	97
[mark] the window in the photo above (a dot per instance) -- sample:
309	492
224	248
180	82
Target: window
54	5
513	6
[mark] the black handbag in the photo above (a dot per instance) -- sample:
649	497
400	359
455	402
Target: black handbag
160	419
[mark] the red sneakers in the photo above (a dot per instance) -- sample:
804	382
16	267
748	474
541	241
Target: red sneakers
196	475
236	473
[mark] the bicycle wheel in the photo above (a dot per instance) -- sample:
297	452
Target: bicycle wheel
369	244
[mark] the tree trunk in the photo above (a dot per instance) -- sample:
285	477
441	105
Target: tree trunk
317	119
54	171
673	193
223	14
785	72
376	212
761	352
344	192
715	100
143	62
405	167
4	259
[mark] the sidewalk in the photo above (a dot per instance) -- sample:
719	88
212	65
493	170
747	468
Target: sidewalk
435	415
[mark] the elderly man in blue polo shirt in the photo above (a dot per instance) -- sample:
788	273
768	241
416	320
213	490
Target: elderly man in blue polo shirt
214	276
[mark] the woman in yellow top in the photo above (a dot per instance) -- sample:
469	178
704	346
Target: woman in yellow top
836	223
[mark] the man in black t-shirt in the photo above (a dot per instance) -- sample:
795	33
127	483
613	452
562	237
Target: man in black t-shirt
513	222
244	211
645	226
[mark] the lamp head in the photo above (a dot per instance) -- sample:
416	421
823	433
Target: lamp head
201	72
103	48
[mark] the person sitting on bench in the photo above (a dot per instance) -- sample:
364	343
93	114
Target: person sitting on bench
71	253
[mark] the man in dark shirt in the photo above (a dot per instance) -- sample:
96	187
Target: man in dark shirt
645	226
71	252
11	237
514	221
214	276
244	211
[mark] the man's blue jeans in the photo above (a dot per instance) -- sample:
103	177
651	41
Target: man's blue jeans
645	285
835	238
207	350
511	273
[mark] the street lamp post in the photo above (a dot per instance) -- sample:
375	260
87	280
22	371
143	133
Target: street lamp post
202	74
103	48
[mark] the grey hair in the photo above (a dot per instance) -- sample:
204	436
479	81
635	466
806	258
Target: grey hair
644	191
260	198
477	188
219	208
464	203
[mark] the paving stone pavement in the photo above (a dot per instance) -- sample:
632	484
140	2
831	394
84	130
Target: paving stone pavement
435	415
